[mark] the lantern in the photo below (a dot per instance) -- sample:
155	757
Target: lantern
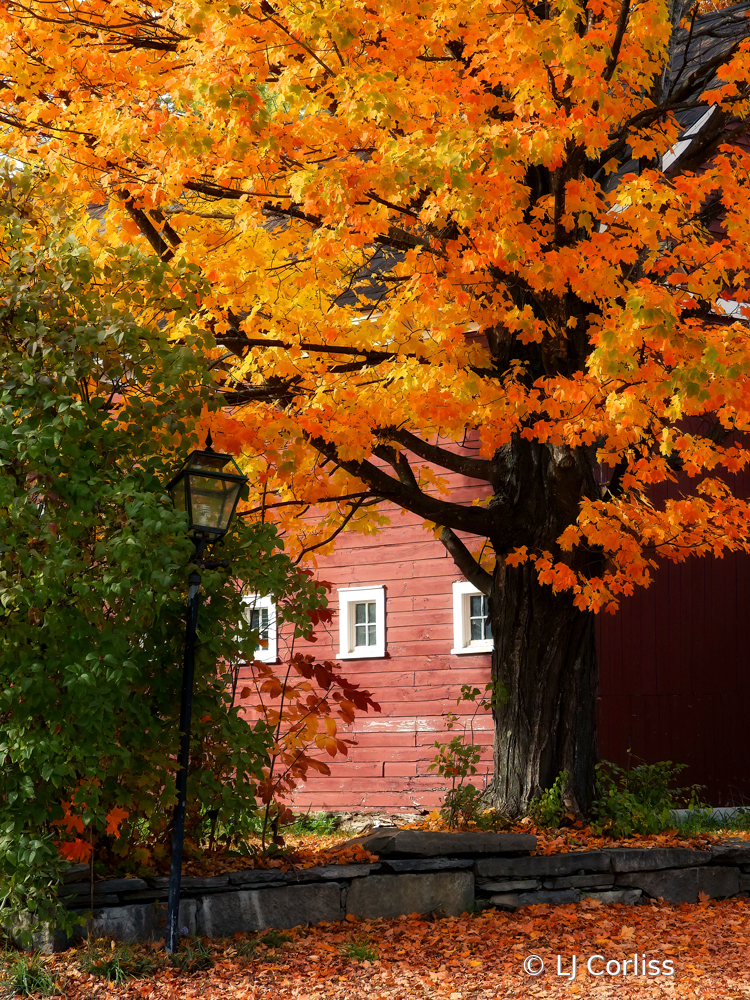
208	487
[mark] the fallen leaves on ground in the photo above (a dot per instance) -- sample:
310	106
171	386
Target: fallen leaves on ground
303	851
465	958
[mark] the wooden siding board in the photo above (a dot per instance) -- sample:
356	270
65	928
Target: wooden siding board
382	742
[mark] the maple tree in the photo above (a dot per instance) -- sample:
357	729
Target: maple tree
462	238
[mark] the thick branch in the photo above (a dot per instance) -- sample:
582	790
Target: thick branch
474	520
399	463
466	562
476	468
149	230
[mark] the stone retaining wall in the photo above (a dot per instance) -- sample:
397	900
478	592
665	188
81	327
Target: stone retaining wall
416	872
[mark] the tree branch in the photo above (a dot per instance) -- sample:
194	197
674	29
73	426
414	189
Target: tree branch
622	23
149	230
466	562
476	468
474	520
399	463
337	531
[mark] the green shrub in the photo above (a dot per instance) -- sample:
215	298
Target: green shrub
458	758
548	809
322	823
639	799
705	820
462	805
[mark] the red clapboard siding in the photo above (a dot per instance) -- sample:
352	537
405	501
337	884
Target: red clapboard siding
674	682
416	683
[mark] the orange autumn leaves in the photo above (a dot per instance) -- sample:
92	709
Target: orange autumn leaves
79	849
459	957
493	171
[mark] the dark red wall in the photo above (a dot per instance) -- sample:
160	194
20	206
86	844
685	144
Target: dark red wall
674	678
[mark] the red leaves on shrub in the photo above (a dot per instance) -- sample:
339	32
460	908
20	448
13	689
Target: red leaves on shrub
76	851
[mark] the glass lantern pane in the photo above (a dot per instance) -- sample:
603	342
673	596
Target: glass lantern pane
212	463
211	502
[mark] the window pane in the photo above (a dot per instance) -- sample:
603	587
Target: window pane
259	621
479	625
364	624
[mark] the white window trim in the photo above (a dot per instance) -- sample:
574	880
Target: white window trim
269	653
348	597
462	591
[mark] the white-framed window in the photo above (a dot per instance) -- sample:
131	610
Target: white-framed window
471	623
361	622
260	614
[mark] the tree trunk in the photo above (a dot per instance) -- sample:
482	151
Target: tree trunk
545	657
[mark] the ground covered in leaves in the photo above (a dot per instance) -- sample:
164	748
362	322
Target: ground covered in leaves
473	957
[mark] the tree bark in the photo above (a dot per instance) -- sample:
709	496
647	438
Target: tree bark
545	658
545	654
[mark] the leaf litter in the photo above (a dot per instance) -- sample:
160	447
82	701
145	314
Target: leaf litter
471	957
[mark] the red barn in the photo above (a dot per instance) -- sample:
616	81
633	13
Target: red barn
674	683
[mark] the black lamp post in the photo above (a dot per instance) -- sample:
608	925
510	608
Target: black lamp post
208	488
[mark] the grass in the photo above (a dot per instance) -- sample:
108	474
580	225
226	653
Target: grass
359	950
272	939
322	824
708	821
118	965
28	977
193	957
246	950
